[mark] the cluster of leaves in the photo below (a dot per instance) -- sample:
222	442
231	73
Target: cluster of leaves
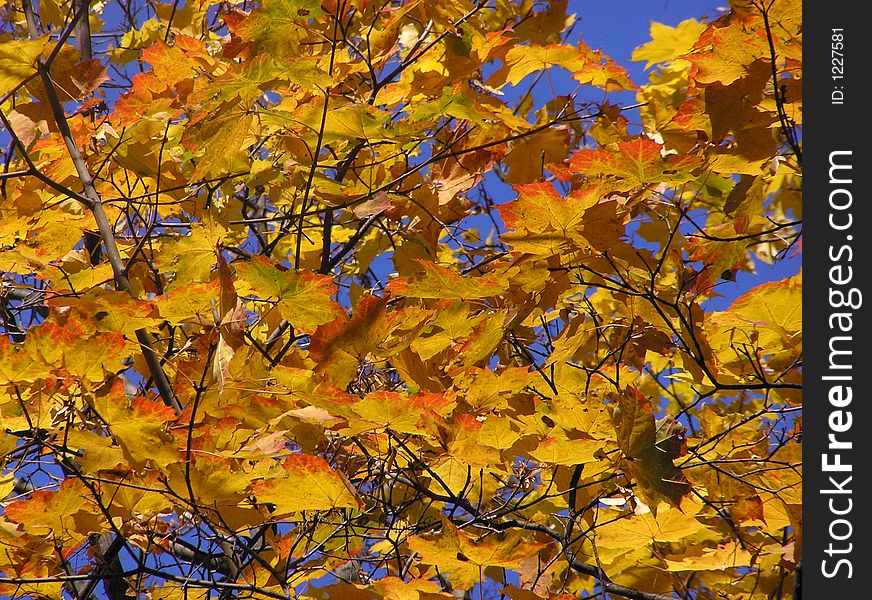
323	300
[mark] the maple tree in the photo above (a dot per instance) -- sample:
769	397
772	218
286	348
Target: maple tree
324	300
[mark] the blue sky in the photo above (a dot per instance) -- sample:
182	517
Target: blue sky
617	27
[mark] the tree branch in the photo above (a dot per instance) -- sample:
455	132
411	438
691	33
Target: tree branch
107	235
83	29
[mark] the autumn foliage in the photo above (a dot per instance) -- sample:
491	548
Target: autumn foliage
361	299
